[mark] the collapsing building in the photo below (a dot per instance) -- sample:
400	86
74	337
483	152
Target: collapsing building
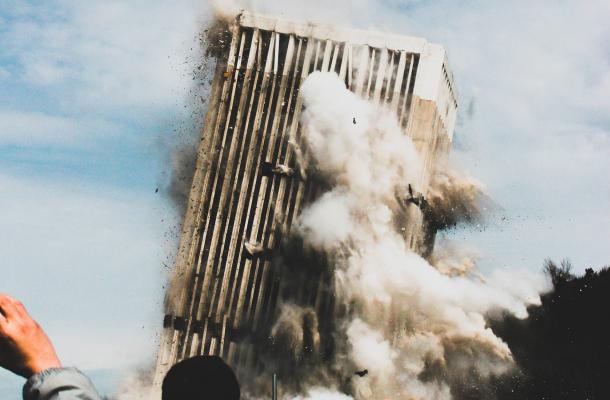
249	185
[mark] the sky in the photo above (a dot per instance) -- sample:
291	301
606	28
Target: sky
95	95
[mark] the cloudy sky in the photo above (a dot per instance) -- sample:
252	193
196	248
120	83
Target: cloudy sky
93	96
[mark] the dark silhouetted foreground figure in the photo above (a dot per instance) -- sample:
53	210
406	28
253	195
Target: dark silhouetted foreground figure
201	378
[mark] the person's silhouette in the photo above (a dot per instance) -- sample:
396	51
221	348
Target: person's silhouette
201	377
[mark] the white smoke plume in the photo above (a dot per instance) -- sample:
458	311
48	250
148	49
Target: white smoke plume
319	393
451	259
414	328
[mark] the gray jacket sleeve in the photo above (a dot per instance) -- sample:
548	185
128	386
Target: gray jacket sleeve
59	384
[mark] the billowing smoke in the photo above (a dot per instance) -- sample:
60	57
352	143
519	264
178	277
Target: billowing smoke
296	331
404	328
451	259
454	198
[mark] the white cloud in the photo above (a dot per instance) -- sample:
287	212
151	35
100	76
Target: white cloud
88	260
30	129
111	54
540	136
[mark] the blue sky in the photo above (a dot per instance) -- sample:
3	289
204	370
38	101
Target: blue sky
92	100
94	95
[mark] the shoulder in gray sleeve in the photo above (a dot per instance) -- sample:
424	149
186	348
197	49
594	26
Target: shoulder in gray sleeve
60	384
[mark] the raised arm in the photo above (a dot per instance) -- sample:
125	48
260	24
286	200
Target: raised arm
26	350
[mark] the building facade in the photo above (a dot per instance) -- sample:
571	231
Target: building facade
246	192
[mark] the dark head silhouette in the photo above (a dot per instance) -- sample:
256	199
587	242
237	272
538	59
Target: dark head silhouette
201	378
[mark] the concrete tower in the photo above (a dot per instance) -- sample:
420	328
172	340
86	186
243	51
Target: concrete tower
246	195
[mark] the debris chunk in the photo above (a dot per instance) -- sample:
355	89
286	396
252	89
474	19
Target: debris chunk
416	198
254	248
278	169
282	169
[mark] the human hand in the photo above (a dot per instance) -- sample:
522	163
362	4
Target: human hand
24	347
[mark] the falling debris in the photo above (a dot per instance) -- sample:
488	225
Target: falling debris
254	248
284	170
416	198
279	169
361	373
